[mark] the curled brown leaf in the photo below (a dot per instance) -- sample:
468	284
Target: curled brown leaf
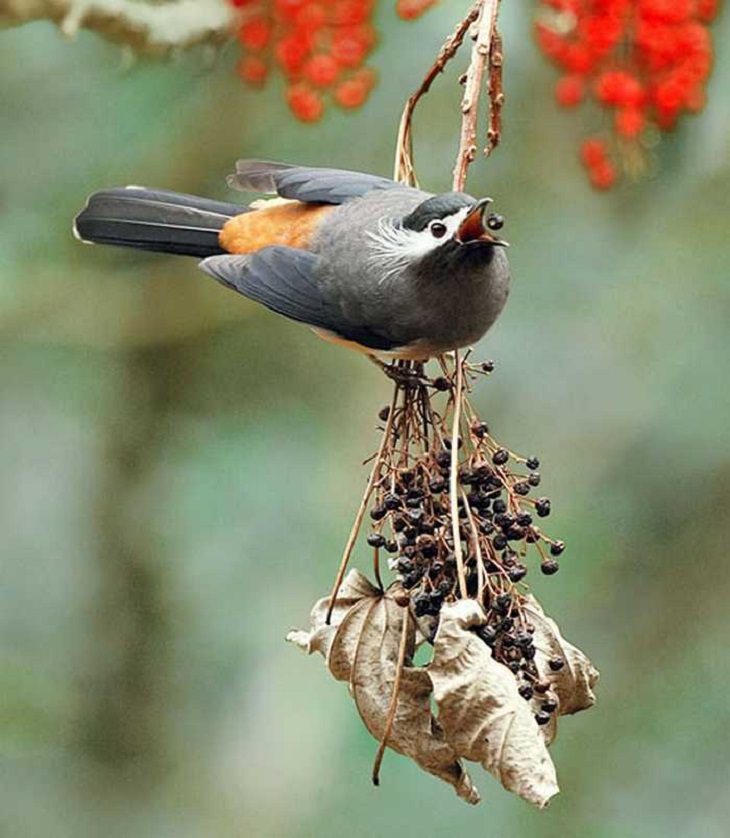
481	712
573	683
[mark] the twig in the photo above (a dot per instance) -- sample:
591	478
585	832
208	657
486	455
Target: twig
496	93
480	58
454	476
481	573
374	475
393	698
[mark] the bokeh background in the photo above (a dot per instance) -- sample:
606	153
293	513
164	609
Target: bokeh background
179	468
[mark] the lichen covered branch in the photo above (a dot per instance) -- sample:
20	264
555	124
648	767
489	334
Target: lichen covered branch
149	29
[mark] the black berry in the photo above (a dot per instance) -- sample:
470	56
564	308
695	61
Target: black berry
526	692
441	383
542	507
488	634
500	456
391	501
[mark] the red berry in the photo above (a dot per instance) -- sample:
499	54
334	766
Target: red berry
618	88
291	52
311	17
569	91
288	9
255	33
577	58
352	93
592	152
321	70
305	103
665	11
602	176
252	69
351	44
351	12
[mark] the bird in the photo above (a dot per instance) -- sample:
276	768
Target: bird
367	262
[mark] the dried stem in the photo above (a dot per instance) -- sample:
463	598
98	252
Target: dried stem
454	475
354	532
496	93
393	699
480	58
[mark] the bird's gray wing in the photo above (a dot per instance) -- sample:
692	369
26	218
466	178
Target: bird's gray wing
308	184
283	279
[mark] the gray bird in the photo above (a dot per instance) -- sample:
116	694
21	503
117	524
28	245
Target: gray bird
367	262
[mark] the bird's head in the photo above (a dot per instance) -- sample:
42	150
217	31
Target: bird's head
445	230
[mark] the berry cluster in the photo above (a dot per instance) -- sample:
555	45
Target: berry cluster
647	61
498	522
319	45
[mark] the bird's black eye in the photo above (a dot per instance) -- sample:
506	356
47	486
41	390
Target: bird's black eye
438	230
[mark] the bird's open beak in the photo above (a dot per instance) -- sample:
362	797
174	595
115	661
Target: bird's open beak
473	228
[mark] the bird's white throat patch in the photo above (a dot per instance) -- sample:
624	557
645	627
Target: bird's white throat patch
394	248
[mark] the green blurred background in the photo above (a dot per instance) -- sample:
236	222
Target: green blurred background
179	468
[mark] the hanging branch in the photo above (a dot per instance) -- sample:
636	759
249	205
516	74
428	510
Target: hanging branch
404	167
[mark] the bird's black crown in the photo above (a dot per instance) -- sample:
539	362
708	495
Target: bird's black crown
439	206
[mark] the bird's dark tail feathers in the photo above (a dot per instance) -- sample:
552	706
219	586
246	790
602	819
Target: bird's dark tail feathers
155	219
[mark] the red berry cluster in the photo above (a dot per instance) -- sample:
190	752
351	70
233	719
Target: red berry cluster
646	60
319	45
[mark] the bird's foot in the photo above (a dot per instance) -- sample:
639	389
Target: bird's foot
404	373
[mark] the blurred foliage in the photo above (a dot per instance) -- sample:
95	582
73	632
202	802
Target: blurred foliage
179	467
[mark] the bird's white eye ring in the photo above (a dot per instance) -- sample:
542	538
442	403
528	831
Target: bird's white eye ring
438	230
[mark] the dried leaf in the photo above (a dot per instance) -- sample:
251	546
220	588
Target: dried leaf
414	733
355	589
344	645
483	716
361	648
573	684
